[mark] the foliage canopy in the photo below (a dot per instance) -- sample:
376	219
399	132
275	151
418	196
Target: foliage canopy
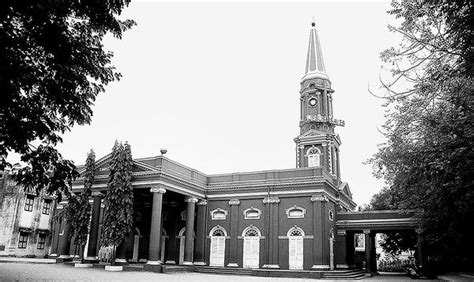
428	158
52	67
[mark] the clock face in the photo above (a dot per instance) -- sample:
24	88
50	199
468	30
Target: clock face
313	102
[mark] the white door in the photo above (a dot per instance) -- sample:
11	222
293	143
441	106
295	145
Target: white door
251	251
217	251
182	239
295	252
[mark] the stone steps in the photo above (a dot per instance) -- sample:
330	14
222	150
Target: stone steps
343	274
223	270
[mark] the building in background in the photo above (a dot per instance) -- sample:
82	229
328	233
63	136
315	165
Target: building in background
25	221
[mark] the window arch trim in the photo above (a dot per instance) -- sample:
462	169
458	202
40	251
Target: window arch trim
249	210
293	230
217	228
251	228
289	211
218	211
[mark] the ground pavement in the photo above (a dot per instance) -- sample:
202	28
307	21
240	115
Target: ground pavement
21	271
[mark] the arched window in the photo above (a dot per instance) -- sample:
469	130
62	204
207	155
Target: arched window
295	212
218	214
295	231
251	231
314	157
218	231
252	213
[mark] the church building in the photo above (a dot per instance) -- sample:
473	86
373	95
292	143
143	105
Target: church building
297	218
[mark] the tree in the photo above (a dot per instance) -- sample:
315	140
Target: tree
393	243
428	158
118	212
53	65
79	208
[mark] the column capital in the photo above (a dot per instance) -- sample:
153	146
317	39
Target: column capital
191	199
366	231
157	189
97	193
341	232
271	200
319	198
59	207
202	202
234	202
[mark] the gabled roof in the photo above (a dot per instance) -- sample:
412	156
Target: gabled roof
344	188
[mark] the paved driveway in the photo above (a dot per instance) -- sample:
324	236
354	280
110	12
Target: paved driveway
60	272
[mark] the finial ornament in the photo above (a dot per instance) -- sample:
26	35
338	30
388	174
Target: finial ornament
313	22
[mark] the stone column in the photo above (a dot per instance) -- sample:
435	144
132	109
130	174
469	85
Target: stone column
320	254
271	244
370	251
419	246
154	253
200	249
64	240
189	239
340	249
350	249
55	236
338	169
94	230
234	224
173	233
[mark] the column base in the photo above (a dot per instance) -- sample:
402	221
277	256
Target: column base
233	264
53	255
321	266
154	262
200	263
170	262
271	266
342	266
91	259
188	263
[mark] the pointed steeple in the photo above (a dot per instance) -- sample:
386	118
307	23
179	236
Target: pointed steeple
314	60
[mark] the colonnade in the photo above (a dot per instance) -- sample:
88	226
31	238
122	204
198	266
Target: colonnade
192	254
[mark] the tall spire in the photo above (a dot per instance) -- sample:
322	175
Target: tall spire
314	60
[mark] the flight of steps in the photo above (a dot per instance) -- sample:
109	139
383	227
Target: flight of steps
169	269
222	270
343	274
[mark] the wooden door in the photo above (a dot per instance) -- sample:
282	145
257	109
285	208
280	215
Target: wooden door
295	252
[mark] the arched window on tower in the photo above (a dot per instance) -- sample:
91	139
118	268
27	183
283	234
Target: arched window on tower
314	157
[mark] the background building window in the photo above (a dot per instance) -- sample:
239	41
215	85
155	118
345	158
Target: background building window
22	240
29	201
46	207
41	241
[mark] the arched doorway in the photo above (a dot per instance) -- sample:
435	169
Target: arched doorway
295	247
182	239
217	250
251	252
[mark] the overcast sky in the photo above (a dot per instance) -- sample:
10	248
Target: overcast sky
217	84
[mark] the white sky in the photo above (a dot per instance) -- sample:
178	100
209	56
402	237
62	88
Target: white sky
217	84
